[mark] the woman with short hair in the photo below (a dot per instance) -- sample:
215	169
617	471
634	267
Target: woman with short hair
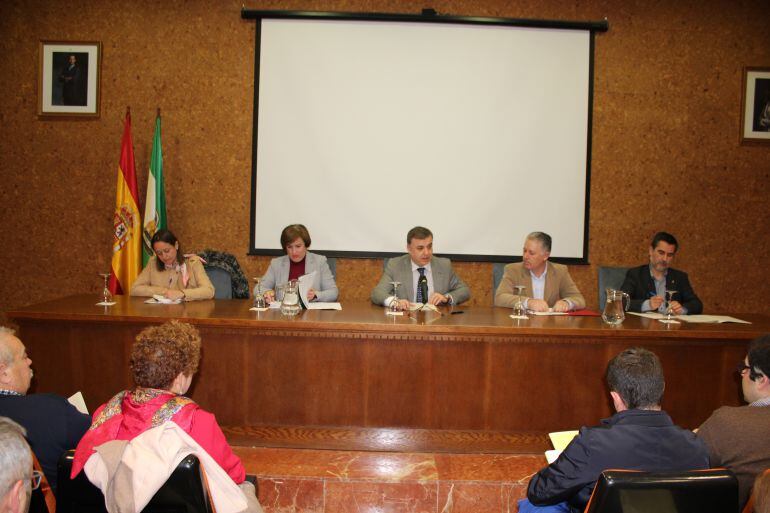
298	261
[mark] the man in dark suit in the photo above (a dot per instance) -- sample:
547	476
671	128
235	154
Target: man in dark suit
647	284
53	425
70	80
424	278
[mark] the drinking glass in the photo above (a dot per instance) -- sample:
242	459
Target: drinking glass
106	295
518	305
259	299
669	310
394	304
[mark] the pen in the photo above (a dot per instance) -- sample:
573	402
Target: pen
455	312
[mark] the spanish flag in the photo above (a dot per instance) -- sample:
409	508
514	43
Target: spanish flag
127	237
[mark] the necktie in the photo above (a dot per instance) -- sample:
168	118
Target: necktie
422	286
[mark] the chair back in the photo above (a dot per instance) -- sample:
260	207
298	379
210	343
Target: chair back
498	268
235	285
610	278
697	491
185	491
223	283
42	499
332	266
759	500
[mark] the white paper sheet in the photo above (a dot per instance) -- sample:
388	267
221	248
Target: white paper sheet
158	299
323	306
78	402
710	319
305	284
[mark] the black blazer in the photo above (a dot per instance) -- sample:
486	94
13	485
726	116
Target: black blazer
53	426
641	287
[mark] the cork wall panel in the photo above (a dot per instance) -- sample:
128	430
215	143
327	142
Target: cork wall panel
665	152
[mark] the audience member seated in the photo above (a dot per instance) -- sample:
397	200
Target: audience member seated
648	283
423	277
163	361
298	261
640	436
738	437
546	285
171	274
16	475
52	424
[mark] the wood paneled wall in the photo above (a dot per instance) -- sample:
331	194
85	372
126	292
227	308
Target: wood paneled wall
665	139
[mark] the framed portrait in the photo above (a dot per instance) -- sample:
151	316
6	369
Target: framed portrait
69	78
755	113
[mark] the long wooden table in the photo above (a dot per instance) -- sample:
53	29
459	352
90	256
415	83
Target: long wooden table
480	370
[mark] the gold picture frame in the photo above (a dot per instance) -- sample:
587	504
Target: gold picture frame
69	79
755	106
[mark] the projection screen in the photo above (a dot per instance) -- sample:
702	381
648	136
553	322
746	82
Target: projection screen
364	129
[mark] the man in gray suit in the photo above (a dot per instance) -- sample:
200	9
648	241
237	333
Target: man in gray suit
423	277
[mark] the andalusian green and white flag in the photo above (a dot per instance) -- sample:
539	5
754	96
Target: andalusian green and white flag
155	205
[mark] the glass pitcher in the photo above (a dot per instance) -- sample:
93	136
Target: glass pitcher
615	307
290	301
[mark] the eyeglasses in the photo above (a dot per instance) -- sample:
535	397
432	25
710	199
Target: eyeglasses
36	478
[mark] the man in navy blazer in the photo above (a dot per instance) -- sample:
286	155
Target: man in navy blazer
53	425
647	284
640	436
442	286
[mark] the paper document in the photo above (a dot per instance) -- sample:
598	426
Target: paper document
548	312
323	306
648	315
78	402
552	455
413	307
106	303
691	318
710	318
157	298
255	309
305	284
561	439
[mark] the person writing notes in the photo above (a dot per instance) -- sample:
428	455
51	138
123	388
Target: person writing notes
172	274
423	277
647	284
298	261
546	285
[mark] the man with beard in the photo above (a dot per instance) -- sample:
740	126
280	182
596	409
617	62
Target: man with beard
648	283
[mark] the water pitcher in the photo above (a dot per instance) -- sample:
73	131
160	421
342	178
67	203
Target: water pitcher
290	301
615	307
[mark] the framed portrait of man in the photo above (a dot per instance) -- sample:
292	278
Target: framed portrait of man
755	113
69	79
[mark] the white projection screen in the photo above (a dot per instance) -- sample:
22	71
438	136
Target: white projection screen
366	128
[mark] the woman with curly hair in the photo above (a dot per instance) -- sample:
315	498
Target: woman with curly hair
163	361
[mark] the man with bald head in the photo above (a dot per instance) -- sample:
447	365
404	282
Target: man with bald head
53	425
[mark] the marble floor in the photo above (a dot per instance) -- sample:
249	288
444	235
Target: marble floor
337	481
